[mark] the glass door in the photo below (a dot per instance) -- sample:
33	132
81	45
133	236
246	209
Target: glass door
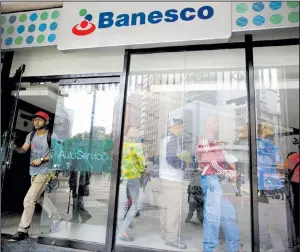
81	160
7	138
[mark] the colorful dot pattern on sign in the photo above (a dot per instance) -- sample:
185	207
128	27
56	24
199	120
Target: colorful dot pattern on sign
30	28
257	10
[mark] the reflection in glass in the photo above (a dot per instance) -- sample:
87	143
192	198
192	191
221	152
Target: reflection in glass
82	145
198	196
277	108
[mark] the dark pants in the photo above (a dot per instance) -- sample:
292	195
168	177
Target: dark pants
78	205
296	207
79	209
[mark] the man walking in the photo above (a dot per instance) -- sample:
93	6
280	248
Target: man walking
38	144
171	173
218	210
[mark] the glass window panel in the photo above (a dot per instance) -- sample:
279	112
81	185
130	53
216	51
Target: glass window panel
277	106
163	197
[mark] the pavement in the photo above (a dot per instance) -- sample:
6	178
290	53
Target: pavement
32	246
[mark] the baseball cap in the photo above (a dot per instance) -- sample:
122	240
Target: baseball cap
42	115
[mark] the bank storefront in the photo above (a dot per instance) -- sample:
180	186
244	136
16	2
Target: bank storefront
143	86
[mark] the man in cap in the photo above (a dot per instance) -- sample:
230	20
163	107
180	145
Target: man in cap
37	143
171	173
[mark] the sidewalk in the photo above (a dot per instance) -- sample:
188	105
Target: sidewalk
32	246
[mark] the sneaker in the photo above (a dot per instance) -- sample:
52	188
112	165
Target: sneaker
176	244
19	236
138	214
125	237
74	220
263	198
55	225
188	218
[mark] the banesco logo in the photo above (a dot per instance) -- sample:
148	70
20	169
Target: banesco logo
108	19
86	27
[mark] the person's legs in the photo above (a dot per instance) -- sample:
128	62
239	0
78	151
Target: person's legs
122	202
38	185
192	207
173	211
170	215
212	191
230	226
200	207
296	209
163	209
264	227
75	213
261	186
133	186
49	207
84	214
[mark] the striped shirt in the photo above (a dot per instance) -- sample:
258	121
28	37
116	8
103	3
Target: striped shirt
211	159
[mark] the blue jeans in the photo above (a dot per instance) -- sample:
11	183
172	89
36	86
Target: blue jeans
133	187
218	210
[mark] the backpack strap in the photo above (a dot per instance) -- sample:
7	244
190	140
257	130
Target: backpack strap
49	138
32	136
291	173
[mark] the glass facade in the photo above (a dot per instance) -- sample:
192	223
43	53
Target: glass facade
277	126
163	161
182	100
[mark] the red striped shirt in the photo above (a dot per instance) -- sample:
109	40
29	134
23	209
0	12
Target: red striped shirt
212	160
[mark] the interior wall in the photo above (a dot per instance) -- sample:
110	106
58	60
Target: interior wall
47	61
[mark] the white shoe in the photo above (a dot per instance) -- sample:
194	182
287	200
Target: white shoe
55	225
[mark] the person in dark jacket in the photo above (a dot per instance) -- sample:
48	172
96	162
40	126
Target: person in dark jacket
79	193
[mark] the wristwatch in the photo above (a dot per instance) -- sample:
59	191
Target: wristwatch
42	159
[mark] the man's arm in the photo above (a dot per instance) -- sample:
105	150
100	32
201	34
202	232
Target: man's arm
172	158
23	149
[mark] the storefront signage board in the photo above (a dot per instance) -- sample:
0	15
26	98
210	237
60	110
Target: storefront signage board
109	24
30	29
252	16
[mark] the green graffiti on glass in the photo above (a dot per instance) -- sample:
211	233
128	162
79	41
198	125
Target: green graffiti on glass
81	154
241	8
